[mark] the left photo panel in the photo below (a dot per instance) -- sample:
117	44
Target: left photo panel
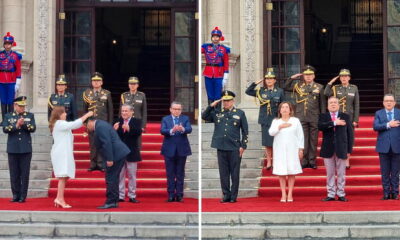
99	105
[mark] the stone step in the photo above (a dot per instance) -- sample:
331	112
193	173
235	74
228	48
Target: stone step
244	173
34	174
35	165
210	163
32	193
33	184
213	183
98	225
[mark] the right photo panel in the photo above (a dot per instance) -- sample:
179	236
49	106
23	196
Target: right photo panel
300	120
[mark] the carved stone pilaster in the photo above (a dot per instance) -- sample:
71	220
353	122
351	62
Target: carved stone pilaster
250	39
42	43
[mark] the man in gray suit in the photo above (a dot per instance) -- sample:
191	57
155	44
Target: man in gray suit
113	152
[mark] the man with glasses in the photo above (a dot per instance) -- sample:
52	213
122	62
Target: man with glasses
386	123
230	140
175	149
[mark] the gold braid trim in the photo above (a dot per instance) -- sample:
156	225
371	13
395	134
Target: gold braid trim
122	99
50	105
301	93
334	90
342	103
264	102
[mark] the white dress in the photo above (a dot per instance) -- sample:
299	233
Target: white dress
62	151
287	142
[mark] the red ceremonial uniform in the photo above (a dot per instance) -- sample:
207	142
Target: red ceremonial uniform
10	66
217	60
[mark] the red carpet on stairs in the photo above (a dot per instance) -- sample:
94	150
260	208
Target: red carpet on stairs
363	184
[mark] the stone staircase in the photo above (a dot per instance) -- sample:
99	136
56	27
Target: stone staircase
40	166
97	225
192	166
302	225
251	164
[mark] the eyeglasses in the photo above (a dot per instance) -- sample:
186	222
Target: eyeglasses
177	109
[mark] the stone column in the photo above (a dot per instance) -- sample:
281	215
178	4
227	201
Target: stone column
251	52
43	56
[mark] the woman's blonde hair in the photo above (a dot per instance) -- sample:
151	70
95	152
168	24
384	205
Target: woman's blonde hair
55	115
290	107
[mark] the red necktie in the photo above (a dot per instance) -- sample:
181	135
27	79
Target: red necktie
125	122
333	116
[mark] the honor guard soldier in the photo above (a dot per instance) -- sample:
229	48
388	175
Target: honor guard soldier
99	101
230	140
10	74
137	100
216	72
62	98
309	102
269	97
349	100
19	125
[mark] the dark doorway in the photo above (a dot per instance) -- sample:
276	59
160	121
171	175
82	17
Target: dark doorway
347	34
135	42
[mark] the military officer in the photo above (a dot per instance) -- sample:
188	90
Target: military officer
216	71
62	98
309	102
99	101
230	140
349	100
269	97
19	125
137	99
10	74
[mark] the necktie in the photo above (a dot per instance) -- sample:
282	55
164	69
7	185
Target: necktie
125	122
389	116
176	122
333	116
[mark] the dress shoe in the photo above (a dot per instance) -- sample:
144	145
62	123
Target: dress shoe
225	200
91	169
385	197
233	200
101	169
21	200
179	199
171	199
108	205
59	204
15	199
394	196
313	166
343	199
121	200
305	166
348	167
133	200
327	199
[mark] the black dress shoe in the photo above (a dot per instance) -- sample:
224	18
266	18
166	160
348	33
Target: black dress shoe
305	166
21	200
121	200
225	200
108	205
313	166
327	199
101	169
171	199
15	199
233	200
394	196
133	200
385	197
91	169
343	199
179	199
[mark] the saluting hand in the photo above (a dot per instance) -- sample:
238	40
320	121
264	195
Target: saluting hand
296	76
333	80
260	81
213	104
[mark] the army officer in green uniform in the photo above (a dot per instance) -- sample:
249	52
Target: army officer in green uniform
269	97
99	101
137	100
230	140
310	102
19	125
349	100
62	98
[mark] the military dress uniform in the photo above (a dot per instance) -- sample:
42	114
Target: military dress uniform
137	101
217	66
100	102
66	100
10	75
309	103
349	100
230	134
19	149
269	100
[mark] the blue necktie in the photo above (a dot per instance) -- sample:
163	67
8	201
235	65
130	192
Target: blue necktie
389	116
176	122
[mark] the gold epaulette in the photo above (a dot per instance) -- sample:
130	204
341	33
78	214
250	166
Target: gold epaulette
87	100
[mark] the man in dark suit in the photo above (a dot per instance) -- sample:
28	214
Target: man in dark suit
386	123
129	129
175	148
337	144
19	125
113	152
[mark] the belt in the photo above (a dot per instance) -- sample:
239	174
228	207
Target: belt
5	71
213	65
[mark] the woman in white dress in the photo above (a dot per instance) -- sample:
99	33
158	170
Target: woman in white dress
62	156
288	148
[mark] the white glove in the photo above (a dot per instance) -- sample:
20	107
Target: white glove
225	79
17	84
